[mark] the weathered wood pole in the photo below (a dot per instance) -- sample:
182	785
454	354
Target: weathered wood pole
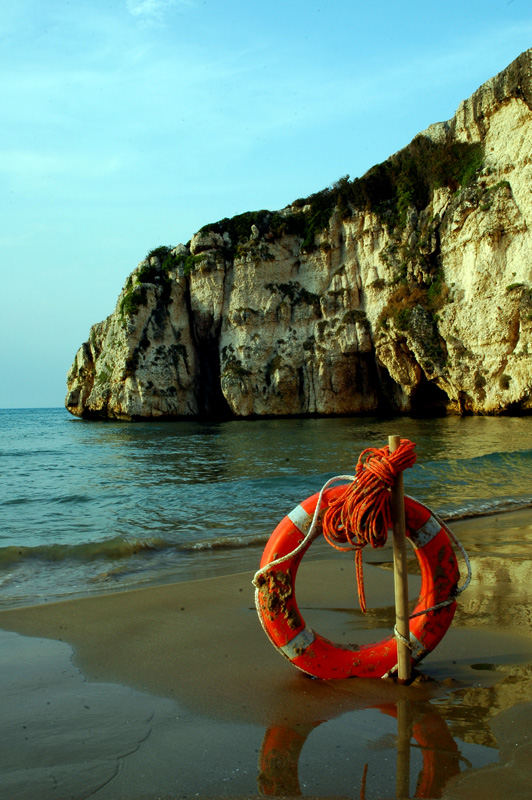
400	571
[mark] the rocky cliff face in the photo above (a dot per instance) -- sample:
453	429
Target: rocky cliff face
406	290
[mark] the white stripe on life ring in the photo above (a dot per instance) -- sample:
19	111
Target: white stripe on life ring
296	646
300	518
426	533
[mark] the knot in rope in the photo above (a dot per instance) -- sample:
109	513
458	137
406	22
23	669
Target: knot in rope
362	514
373	460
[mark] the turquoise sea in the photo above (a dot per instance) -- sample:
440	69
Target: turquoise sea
99	506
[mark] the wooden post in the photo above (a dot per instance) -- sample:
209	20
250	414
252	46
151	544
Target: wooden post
400	571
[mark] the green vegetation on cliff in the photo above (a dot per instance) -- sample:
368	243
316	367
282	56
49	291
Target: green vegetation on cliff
405	180
154	270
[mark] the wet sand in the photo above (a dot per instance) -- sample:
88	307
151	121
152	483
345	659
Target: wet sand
174	691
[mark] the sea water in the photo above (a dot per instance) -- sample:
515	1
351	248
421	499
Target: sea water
91	506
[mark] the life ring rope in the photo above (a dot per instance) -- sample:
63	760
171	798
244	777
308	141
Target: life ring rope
313	533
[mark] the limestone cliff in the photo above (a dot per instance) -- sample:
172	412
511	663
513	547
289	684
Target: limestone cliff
406	290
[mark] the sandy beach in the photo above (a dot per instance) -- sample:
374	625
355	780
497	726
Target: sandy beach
174	691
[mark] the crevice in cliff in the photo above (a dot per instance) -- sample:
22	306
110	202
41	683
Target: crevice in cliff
428	400
210	400
388	392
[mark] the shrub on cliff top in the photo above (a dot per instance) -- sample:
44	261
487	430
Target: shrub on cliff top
270	224
151	273
159	252
134	297
148	273
409	178
388	189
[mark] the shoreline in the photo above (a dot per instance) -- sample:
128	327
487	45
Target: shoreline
192	658
103	582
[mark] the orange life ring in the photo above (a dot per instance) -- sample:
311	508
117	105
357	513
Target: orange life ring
314	654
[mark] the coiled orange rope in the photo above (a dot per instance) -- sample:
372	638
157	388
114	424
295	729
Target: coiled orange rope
362	514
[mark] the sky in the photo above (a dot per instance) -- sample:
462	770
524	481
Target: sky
129	124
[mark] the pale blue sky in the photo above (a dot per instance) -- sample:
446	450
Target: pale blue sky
127	124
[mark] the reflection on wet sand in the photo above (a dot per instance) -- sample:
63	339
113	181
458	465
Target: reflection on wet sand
497	599
511	777
469	711
498	595
439	730
282	746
